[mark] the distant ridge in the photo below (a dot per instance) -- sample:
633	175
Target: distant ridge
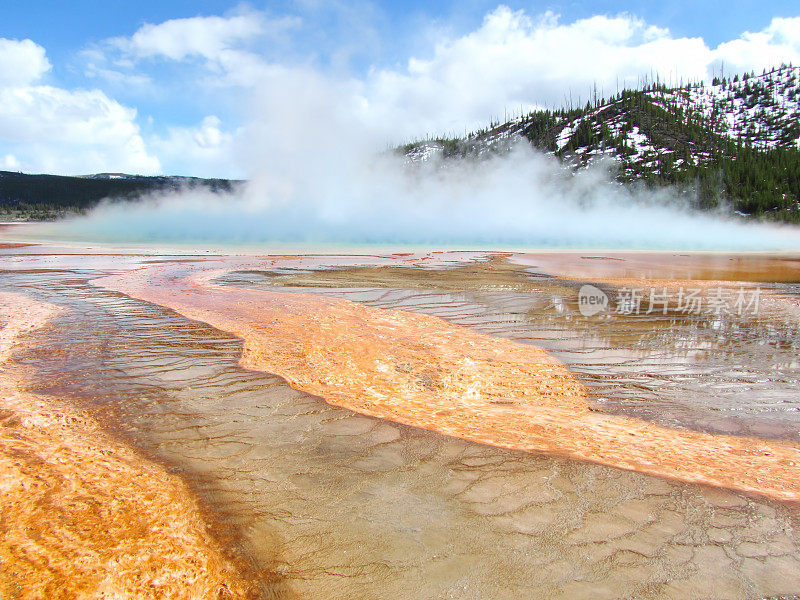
40	197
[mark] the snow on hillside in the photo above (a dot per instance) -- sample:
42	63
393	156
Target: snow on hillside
732	141
755	109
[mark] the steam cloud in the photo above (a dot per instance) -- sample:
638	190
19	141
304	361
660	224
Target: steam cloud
320	175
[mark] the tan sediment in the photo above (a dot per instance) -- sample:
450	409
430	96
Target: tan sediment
422	371
674	272
83	516
694	266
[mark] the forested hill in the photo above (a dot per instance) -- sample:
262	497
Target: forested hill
735	141
24	197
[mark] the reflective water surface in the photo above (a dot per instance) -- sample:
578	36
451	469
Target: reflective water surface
325	503
721	373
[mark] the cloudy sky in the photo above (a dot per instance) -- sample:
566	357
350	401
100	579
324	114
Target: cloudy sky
188	87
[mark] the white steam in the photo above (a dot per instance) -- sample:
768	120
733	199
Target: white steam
320	175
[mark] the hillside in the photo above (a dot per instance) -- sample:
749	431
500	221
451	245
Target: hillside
36	197
734	142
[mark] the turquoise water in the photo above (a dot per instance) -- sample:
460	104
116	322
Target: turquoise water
741	238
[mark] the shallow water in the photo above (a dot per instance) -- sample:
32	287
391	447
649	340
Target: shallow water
727	373
326	503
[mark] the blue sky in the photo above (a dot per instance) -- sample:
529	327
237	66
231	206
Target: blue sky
182	87
65	27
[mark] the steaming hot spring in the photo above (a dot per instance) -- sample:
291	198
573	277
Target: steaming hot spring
264	423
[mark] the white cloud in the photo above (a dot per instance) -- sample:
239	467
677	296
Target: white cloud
206	149
21	62
221	44
120	75
10	163
63	131
779	42
50	129
198	36
513	60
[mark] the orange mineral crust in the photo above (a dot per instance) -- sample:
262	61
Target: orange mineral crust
754	267
422	371
83	516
